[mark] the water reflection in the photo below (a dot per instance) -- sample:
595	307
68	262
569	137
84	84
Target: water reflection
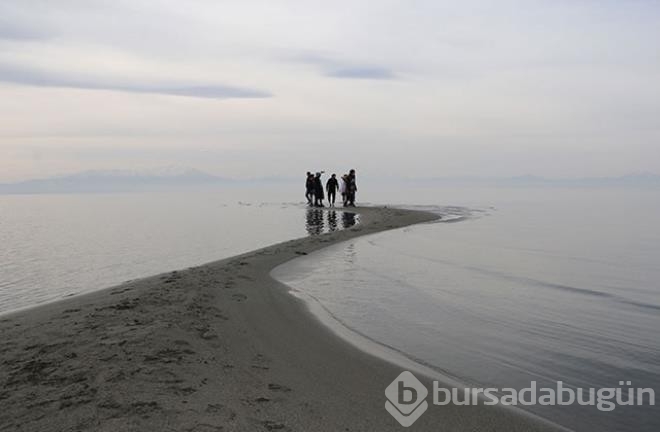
319	221
348	219
332	220
314	223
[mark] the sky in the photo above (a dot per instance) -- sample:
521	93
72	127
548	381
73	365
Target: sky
556	88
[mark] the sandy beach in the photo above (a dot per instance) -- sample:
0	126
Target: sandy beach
218	347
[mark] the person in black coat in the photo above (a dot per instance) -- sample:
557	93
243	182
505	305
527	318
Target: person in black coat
318	191
351	189
309	188
331	186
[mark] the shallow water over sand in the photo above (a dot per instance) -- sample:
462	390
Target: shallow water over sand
59	245
531	285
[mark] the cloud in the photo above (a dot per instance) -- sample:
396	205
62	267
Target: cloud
367	72
336	68
17	24
452	87
41	78
15	32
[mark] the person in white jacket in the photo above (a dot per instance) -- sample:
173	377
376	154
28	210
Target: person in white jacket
343	188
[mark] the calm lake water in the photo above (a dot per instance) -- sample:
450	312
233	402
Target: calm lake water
526	284
513	285
52	246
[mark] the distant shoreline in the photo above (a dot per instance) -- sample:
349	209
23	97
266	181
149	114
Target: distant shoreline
172	178
221	346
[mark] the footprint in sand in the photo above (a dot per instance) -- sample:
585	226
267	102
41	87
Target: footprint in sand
209	334
115	292
182	391
173	277
144	408
271	425
259	362
214	408
278	387
259	367
203	427
125	304
239	297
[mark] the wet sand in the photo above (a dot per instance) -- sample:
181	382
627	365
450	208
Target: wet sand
219	347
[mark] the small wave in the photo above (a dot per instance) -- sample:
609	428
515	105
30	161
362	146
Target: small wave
448	214
595	293
647	307
585	291
653	307
453	219
572	289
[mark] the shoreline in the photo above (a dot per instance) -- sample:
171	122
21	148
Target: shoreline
221	346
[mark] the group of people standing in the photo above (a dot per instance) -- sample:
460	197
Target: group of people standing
315	192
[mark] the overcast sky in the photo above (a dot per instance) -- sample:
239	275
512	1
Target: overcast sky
560	88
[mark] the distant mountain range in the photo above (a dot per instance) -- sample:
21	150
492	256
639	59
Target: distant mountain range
177	178
114	181
633	180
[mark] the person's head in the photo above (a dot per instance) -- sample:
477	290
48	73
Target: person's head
334	175
352	172
318	174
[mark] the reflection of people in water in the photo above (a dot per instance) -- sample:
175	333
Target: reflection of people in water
314	221
331	187
332	220
347	220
